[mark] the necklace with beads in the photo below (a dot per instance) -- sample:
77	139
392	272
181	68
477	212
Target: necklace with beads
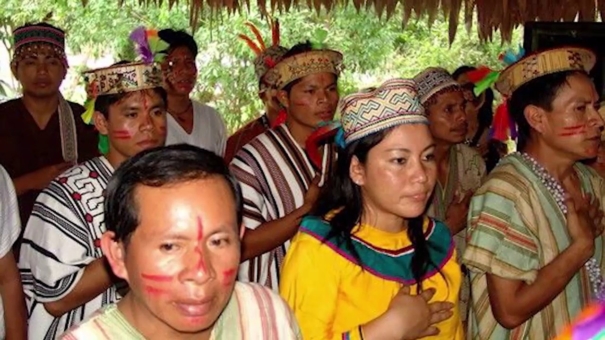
556	189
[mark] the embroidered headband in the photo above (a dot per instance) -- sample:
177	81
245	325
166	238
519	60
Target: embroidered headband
543	63
143	74
38	38
301	65
432	81
266	57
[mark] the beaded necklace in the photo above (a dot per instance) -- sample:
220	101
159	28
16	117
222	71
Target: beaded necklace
556	189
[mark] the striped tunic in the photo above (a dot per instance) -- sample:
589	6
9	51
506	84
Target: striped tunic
515	229
60	239
274	173
253	312
466	172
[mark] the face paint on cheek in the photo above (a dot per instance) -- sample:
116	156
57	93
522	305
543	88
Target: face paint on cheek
157	278
121	134
154	291
573	130
229	276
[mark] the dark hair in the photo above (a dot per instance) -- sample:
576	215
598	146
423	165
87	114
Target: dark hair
540	92
104	102
158	167
299	48
176	39
462	70
341	193
40	24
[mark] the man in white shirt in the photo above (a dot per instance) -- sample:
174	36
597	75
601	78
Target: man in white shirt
13	325
189	121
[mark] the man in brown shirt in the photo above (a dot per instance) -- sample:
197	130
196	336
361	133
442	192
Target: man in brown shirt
41	134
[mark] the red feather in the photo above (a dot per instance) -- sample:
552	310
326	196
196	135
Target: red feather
479	74
270	62
256	32
251	43
275	33
501	122
321	135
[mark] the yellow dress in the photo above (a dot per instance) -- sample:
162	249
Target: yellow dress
332	296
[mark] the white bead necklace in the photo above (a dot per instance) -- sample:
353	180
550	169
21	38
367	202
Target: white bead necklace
556	189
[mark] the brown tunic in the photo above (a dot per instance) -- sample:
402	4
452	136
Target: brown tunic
244	136
25	148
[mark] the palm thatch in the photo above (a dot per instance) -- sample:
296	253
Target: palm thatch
493	15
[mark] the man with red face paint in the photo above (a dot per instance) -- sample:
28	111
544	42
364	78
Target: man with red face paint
460	168
279	182
40	133
535	244
64	273
265	60
188	121
179	250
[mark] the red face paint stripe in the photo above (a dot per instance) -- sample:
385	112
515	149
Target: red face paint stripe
574	127
154	291
198	249
567	134
158	278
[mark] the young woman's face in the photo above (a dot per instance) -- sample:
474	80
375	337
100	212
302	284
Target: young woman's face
399	173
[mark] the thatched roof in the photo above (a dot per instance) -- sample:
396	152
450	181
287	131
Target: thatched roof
493	15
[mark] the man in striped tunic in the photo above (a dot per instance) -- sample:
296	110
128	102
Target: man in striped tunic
179	250
535	244
62	267
279	182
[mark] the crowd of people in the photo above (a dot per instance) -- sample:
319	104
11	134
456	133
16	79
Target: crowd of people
136	216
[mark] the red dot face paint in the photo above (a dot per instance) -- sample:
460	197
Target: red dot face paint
229	276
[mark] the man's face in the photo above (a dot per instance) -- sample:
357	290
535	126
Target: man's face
181	262
574	125
40	71
447	116
180	71
135	123
312	100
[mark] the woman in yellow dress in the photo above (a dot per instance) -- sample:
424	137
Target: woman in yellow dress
369	264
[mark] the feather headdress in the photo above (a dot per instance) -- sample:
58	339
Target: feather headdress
266	56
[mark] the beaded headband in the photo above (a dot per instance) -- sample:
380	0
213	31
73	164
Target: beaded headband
38	38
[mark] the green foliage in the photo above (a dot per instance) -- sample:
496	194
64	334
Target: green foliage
374	49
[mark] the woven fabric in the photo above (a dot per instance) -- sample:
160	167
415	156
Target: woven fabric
304	64
432	81
123	78
543	63
393	103
38	39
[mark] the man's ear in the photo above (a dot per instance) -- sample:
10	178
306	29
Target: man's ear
100	123
14	70
282	97
536	118
115	253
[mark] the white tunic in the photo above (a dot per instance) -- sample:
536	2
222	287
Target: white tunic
10	225
274	173
209	131
60	240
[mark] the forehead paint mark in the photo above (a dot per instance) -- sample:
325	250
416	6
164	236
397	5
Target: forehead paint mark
145	102
154	291
121	134
201	265
157	278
